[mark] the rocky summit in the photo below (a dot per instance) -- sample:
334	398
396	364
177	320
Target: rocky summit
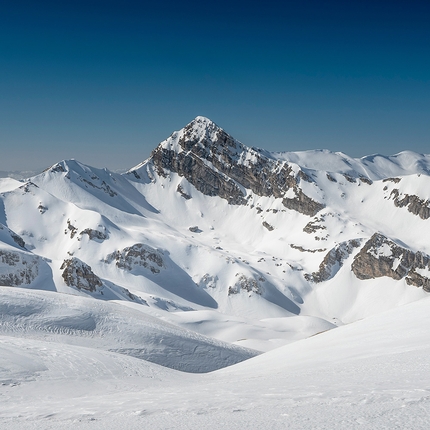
208	230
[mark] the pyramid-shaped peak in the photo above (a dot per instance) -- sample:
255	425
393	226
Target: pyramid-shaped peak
202	120
202	125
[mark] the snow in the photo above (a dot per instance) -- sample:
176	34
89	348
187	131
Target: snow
370	374
231	289
83	321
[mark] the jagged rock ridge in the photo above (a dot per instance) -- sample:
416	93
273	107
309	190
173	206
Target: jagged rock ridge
218	165
381	256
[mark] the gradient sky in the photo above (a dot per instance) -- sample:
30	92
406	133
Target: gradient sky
105	81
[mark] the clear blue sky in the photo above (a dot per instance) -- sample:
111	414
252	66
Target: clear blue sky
105	81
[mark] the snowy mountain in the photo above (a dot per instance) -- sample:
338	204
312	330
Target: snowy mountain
208	253
208	228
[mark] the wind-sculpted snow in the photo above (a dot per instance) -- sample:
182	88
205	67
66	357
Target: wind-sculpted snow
108	326
370	374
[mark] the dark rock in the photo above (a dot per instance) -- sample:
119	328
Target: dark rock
382	257
333	261
78	274
103	186
94	234
56	168
414	204
42	209
181	191
395	180
138	255
245	284
195	229
303	204
313	226
17	268
349	178
28	186
218	165
268	226
73	230
18	240
301	249
366	180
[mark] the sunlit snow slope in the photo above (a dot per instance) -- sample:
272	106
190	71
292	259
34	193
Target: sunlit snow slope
372	374
254	248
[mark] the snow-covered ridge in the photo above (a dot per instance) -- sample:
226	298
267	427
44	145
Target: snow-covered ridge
202	130
197	258
250	247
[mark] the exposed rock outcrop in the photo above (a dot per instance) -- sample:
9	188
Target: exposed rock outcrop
314	225
381	256
333	261
94	234
78	274
414	204
194	229
268	226
73	230
206	180
138	255
301	249
218	165
244	283
18	268
181	191
303	204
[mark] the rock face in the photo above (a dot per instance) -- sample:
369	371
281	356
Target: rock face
94	234
333	261
78	274
314	225
218	165
138	255
382	257
414	204
303	204
18	269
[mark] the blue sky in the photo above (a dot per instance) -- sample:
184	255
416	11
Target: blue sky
105	81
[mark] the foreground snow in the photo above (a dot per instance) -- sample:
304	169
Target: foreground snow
64	319
370	374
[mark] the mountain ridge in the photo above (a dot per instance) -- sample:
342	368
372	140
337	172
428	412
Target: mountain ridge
211	228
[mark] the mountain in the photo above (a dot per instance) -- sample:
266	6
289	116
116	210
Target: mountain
300	281
237	243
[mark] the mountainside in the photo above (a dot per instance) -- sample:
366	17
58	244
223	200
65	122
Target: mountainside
253	248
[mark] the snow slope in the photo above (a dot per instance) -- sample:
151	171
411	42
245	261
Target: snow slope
370	374
199	258
58	318
257	272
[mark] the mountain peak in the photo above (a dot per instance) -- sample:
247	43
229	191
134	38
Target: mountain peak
202	120
201	128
